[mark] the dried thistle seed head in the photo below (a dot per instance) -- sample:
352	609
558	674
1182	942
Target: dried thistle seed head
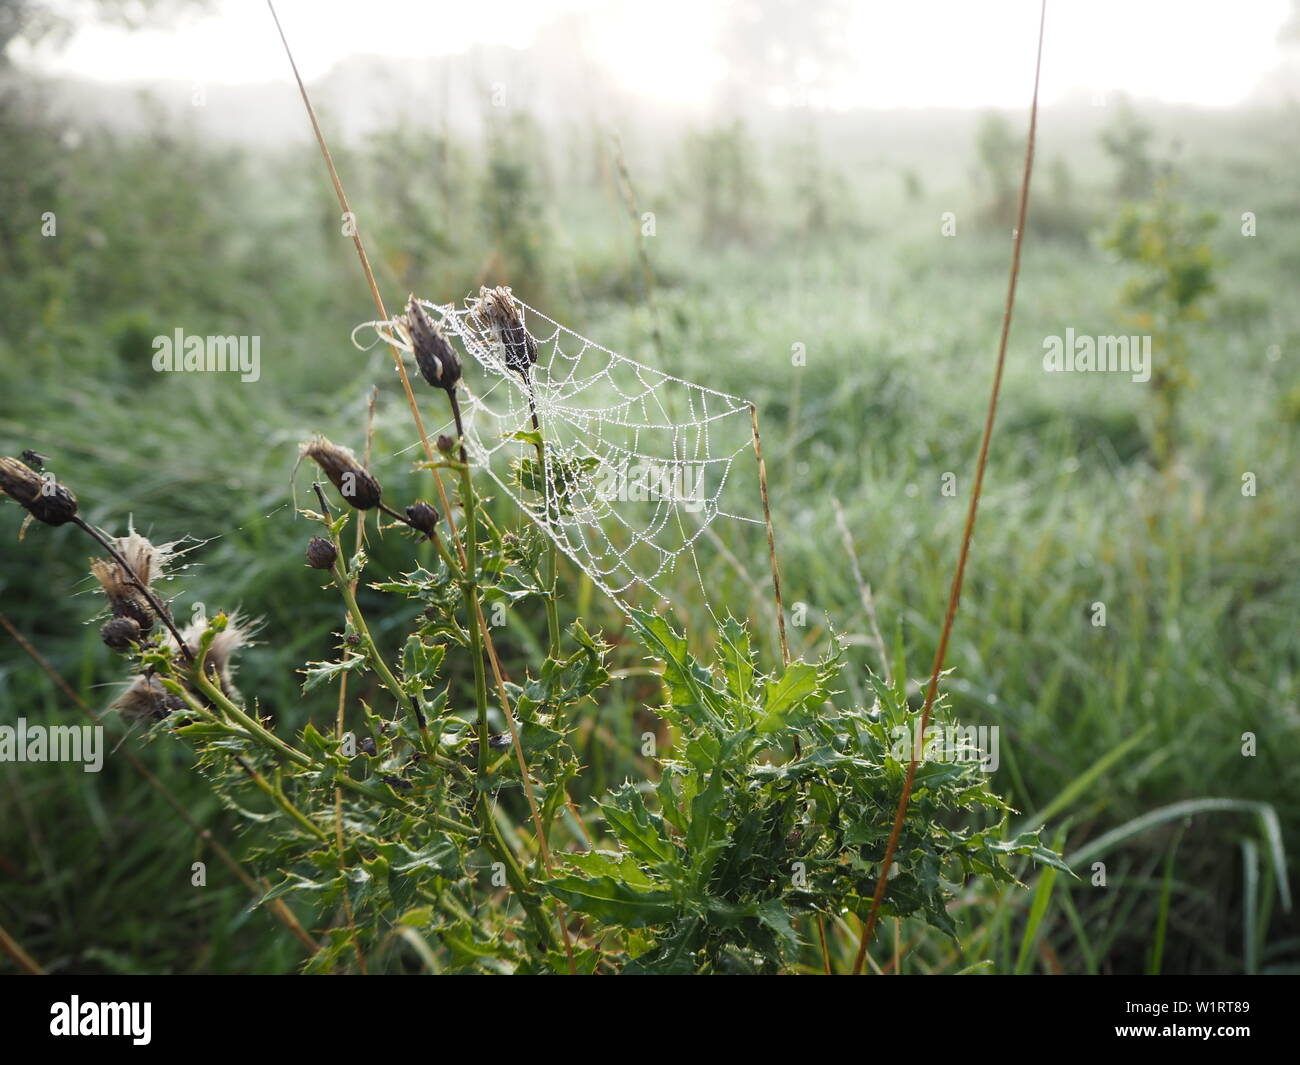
355	483
146	697
321	553
497	308
120	633
445	444
40	494
422	516
437	359
124	599
148	561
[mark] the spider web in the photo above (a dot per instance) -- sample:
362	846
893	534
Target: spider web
637	465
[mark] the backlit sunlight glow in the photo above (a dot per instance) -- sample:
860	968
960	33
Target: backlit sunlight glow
671	53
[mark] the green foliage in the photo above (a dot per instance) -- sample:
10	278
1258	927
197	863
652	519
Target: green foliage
776	805
999	156
1167	243
722	171
1127	141
510	198
773	807
165	227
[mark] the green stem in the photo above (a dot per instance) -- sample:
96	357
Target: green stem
490	831
376	660
552	600
255	730
552	588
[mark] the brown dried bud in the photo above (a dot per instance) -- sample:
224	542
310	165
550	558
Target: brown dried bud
437	359
445	444
120	633
43	497
496	307
321	553
422	517
134	606
355	483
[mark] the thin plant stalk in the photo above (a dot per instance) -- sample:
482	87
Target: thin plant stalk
20	957
376	659
968	532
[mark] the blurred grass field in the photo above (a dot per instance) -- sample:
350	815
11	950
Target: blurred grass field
760	245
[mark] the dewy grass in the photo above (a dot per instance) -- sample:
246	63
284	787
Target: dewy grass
1069	526
742	836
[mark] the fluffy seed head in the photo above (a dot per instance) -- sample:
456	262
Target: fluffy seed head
238	633
146	697
437	359
497	309
124	599
148	561
43	497
355	483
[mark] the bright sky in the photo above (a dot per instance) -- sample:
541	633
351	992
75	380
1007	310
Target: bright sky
947	53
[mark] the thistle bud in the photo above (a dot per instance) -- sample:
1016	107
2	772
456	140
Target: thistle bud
355	483
445	444
43	497
321	553
422	517
119	633
496	307
437	359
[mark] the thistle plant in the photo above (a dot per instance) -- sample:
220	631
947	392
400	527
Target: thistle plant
444	811
441	828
